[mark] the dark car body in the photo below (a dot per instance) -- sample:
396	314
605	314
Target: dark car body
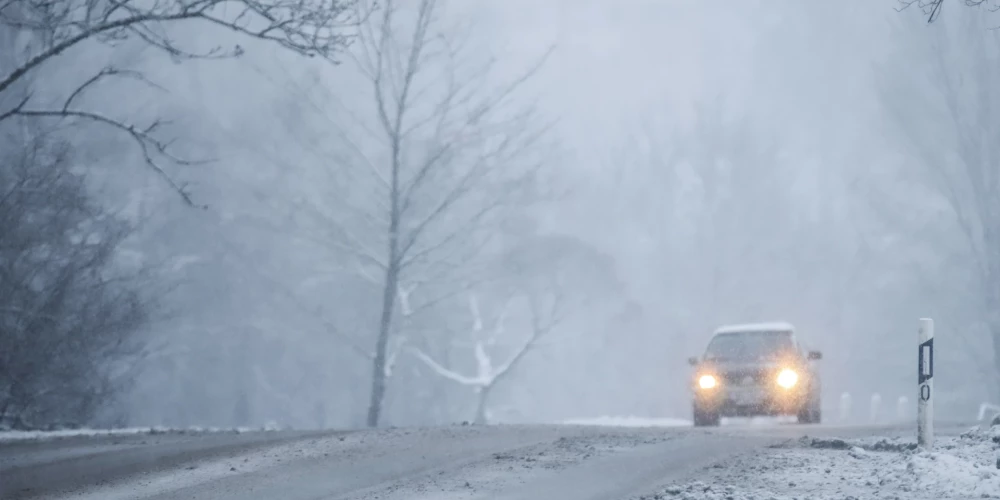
756	369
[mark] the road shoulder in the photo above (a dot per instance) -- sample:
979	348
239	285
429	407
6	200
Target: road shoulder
957	467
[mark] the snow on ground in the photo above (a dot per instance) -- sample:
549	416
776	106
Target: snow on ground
629	421
633	421
962	467
16	436
782	419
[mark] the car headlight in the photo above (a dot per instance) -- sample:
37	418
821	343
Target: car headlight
788	378
707	382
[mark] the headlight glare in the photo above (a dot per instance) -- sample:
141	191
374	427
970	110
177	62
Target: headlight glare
788	378
707	382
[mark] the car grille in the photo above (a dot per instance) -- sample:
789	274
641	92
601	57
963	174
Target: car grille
747	377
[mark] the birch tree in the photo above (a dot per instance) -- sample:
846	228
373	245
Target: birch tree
46	32
485	338
545	281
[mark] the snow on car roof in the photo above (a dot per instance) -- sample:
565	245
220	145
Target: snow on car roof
777	326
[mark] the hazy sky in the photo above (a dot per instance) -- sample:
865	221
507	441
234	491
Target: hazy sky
801	68
612	60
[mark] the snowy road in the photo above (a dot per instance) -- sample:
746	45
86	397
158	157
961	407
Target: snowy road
458	462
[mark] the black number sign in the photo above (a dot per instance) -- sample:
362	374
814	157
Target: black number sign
925	366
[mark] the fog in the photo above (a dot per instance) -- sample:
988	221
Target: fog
586	190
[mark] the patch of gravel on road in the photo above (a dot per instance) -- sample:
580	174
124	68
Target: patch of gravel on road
576	449
962	467
869	444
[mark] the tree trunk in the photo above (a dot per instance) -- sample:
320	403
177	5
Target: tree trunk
990	287
995	338
484	396
390	291
241	409
993	324
319	414
385	327
443	410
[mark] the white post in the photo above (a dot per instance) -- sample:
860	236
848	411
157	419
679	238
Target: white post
845	406
902	408
925	383
876	405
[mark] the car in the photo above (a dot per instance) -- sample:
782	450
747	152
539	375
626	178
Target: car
758	369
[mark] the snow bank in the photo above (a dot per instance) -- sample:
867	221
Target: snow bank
630	421
15	436
633	421
779	420
825	469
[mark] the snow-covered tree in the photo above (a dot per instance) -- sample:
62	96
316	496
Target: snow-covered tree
541	283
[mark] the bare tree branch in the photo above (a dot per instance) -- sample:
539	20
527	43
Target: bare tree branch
308	27
294	299
933	8
147	143
958	155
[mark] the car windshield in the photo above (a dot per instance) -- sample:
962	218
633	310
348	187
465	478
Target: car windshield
749	345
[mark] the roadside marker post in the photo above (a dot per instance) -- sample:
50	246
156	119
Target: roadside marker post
902	408
845	406
925	383
875	409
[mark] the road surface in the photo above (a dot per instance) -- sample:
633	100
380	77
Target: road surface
548	462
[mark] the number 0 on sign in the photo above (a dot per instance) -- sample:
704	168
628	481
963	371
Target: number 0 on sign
925	392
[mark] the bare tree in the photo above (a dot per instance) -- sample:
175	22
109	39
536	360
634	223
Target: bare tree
541	283
933	8
468	167
56	28
940	105
68	320
433	156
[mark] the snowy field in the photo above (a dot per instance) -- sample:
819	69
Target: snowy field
962	467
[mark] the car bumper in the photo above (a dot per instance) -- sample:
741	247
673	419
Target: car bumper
750	401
